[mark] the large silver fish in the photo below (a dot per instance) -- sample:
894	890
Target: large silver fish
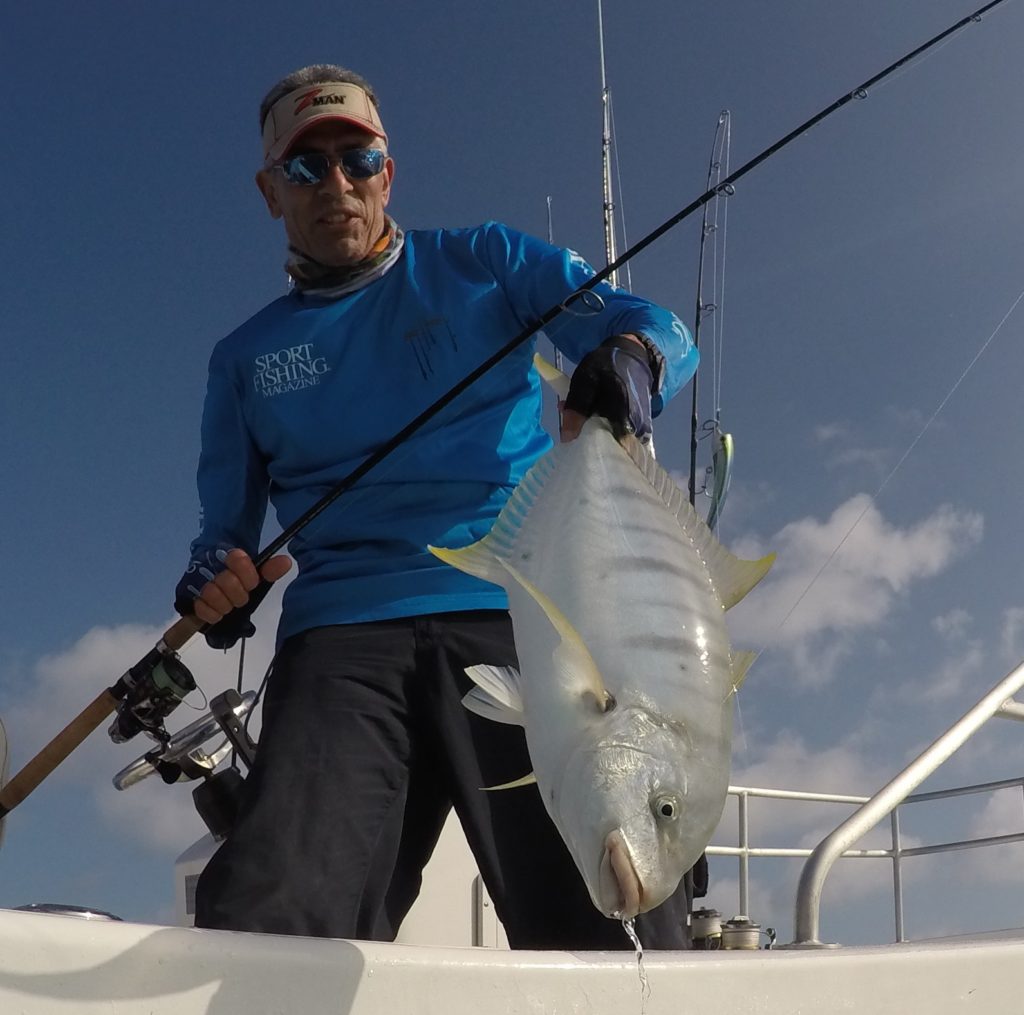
617	591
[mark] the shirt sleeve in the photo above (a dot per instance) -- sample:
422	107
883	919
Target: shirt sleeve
537	276
232	476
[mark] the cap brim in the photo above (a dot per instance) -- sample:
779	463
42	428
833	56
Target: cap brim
280	148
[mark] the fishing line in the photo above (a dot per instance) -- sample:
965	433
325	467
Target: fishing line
415	424
621	202
125	689
906	454
914	64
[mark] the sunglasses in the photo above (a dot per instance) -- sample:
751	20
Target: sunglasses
312	167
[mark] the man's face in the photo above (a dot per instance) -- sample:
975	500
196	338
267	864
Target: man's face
336	221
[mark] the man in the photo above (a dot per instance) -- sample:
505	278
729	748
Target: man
365	744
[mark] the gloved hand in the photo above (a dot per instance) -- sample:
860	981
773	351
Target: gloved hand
614	381
235	624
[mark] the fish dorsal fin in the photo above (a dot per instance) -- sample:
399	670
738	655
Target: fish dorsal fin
527	780
733	578
740	665
552	376
572	656
497	695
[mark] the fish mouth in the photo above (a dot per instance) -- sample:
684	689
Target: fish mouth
621	890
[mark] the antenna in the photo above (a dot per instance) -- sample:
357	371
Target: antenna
606	163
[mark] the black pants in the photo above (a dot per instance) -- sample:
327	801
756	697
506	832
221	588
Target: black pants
365	747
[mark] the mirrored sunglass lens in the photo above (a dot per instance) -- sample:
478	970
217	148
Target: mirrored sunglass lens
306	169
312	167
360	163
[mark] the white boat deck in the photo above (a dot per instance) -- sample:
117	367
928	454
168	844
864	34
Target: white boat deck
50	965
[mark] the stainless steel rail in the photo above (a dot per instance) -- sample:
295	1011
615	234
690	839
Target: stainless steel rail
812	879
998	702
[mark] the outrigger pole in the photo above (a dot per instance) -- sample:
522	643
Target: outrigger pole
150	690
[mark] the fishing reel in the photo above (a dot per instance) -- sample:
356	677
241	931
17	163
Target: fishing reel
188	755
155	686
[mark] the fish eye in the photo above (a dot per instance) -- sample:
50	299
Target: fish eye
665	807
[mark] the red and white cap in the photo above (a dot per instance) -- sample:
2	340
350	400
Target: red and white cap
300	109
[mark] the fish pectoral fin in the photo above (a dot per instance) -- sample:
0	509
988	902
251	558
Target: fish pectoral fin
496	695
475	559
552	376
572	657
741	663
527	780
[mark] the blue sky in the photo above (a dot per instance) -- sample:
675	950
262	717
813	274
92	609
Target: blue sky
867	264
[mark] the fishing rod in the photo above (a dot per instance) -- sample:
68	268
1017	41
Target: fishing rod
150	690
719	156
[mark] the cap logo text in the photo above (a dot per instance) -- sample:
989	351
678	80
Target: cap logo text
314	98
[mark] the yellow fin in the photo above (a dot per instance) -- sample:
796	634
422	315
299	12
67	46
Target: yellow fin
475	559
552	376
733	578
527	780
572	654
741	663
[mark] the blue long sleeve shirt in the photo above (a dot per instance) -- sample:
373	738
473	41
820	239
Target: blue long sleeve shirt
305	390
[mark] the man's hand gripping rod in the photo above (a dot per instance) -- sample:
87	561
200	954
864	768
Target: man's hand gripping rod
148	692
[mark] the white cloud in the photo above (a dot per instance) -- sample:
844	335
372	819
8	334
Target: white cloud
1012	635
955	676
875	459
1002	814
824	433
837	578
61	685
954	624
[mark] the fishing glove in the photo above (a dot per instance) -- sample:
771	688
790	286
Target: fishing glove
237	624
615	381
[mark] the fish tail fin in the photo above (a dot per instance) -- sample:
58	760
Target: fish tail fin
733	578
552	376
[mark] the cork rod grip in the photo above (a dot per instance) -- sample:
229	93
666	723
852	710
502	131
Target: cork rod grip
178	634
56	751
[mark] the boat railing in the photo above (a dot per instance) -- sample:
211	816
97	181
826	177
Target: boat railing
871	811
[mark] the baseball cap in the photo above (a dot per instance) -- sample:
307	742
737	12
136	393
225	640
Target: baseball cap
300	109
